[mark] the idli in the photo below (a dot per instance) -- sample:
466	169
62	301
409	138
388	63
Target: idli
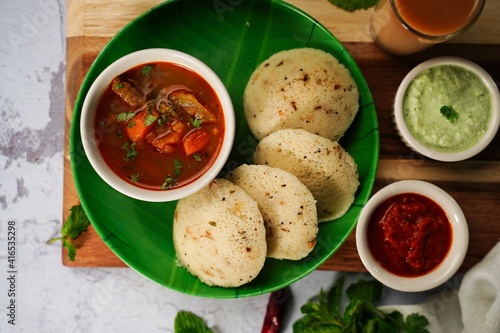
302	88
219	235
327	170
287	206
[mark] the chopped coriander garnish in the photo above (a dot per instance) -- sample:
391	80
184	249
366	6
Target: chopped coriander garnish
196	122
197	157
168	183
150	119
146	70
177	167
119	133
134	178
161	121
131	124
171	181
119	85
131	152
449	113
125	116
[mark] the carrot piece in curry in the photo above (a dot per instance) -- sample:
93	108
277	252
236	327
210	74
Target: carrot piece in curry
141	123
195	141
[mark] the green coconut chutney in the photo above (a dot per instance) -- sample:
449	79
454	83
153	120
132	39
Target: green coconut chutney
447	88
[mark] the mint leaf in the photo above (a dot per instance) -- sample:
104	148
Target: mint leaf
188	322
449	113
76	223
70	247
353	5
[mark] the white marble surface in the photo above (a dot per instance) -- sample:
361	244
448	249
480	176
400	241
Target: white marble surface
50	297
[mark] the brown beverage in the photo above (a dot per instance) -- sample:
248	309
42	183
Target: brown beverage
408	26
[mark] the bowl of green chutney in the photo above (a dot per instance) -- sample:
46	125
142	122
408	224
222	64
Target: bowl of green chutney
447	109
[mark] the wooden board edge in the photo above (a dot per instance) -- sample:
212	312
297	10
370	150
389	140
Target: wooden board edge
88	242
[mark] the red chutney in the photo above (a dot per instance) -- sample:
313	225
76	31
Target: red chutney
409	234
159	125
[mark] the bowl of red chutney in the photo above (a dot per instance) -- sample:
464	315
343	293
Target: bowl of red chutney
157	125
412	236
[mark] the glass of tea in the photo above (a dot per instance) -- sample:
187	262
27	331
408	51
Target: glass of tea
403	27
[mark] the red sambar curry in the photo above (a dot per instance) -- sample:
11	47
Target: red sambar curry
409	234
159	125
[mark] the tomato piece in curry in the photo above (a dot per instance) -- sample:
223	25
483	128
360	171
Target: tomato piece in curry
409	234
159	125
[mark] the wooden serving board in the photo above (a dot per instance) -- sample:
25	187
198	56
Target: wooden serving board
474	183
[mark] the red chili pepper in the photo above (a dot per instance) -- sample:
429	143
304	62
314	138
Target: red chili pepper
276	309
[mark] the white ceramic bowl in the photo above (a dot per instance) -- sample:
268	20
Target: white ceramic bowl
414	144
452	261
125	63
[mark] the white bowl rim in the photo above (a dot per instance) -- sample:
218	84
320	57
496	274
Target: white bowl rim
135	59
452	261
443	156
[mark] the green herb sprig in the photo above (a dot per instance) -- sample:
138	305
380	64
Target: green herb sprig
196	122
125	116
146	69
353	5
177	167
170	181
449	113
76	223
130	152
360	316
134	178
150	119
188	322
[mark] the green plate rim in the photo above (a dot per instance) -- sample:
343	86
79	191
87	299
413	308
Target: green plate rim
76	152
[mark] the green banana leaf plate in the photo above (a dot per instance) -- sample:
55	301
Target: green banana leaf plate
232	37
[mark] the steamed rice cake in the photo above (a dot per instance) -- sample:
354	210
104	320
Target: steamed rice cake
287	206
219	235
327	170
302	88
